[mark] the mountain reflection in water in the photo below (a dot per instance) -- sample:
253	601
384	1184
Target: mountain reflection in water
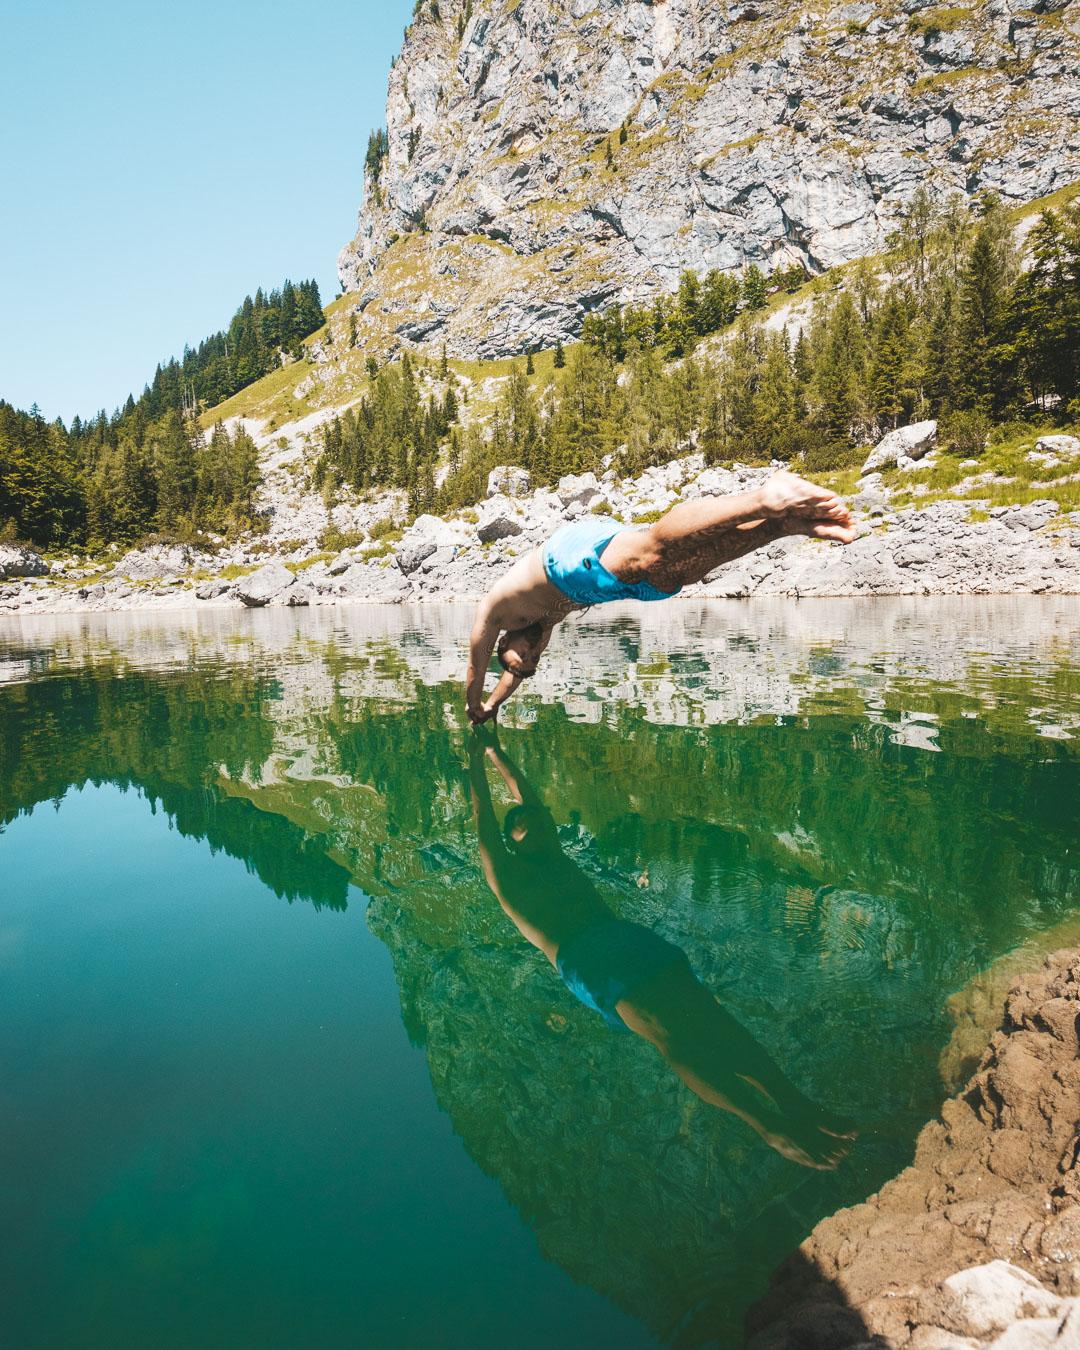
837	814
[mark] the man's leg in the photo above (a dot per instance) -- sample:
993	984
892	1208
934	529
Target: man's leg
696	537
718	1059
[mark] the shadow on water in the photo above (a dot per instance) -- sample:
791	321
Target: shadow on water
777	910
804	1310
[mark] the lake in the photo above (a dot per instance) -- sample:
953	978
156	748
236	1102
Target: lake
281	1065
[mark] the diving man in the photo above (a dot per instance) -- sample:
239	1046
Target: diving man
596	559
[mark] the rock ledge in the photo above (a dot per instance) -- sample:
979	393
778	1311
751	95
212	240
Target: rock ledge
978	1242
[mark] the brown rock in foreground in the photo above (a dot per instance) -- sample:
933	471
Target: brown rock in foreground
996	1179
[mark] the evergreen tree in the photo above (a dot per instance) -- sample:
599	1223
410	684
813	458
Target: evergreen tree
174	469
754	291
982	311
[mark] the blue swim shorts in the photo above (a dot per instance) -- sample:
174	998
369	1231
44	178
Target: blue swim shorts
572	563
605	963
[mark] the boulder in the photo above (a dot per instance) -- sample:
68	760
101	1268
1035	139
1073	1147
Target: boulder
911	442
266	584
212	589
440	559
498	525
157	560
1061	447
373	581
987	1299
1033	516
508	480
578	487
20	560
411	552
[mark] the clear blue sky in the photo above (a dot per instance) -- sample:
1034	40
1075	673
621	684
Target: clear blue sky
159	162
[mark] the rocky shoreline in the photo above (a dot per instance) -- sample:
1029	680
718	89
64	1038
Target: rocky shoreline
977	1243
959	546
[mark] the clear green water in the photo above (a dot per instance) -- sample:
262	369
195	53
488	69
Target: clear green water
276	1069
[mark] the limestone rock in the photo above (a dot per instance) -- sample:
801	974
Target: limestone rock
910	442
373	581
497	525
988	1299
1033	516
21	560
508	480
157	560
410	553
213	589
1061	447
550	157
580	489
265	585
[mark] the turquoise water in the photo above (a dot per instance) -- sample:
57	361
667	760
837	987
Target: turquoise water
278	1067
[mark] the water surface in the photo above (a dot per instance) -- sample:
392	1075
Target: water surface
278	1069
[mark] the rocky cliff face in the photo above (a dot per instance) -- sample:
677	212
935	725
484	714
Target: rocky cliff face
548	157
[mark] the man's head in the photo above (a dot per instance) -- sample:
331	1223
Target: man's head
530	831
518	650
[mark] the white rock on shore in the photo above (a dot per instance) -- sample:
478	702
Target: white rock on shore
20	560
939	549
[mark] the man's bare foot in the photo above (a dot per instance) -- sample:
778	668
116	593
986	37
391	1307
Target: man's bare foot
810	1144
806	508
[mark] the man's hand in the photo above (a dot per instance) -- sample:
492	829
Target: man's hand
484	713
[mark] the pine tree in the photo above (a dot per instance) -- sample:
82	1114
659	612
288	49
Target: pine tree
772	408
560	356
754	293
718	302
982	311
174	470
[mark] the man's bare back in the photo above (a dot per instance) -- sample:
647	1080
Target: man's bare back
595	560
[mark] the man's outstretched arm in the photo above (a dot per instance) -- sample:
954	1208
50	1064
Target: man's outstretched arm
508	684
482	641
498	696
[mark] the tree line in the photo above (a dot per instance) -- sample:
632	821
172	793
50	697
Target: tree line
149	467
951	326
118	480
266	327
394	437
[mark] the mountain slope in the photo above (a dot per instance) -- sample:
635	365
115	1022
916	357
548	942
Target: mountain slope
545	157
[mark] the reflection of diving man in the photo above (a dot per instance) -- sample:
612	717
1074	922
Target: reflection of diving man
632	977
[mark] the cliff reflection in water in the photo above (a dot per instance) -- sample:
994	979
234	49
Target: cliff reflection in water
837	813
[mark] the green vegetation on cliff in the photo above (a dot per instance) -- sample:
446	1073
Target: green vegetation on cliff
949	325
